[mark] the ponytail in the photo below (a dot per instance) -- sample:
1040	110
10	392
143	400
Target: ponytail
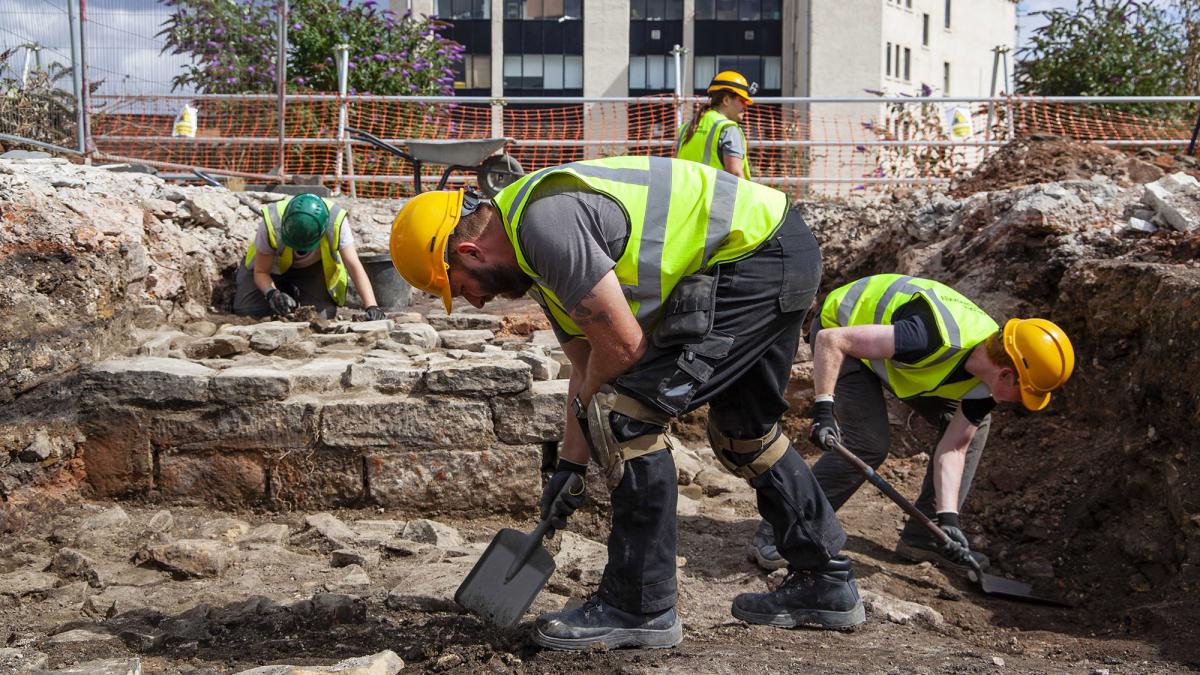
713	101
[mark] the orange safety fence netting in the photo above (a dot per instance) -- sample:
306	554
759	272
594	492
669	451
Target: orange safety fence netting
797	146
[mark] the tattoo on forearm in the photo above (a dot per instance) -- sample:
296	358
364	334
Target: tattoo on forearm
587	317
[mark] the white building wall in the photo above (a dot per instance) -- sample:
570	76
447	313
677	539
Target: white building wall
976	27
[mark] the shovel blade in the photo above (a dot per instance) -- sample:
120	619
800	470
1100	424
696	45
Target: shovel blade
490	592
1010	588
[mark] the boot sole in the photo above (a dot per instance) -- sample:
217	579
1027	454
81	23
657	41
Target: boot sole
918	554
815	618
616	639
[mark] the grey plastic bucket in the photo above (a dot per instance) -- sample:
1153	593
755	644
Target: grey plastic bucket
391	291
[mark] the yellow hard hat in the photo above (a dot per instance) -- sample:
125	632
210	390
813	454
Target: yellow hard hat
418	241
731	80
1043	355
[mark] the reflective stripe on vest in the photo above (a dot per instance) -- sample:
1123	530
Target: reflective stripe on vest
961	324
332	266
703	145
683	217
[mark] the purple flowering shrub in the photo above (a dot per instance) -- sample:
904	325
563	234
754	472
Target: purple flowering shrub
233	45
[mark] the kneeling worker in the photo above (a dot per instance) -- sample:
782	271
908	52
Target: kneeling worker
946	359
305	246
670	284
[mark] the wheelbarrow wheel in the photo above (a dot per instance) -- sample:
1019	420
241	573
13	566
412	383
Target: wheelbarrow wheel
497	172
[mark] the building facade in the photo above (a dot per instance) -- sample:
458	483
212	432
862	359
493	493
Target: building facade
789	47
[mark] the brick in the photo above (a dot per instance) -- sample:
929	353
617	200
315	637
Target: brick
229	479
406	423
534	416
502	479
284	425
116	455
479	378
316	479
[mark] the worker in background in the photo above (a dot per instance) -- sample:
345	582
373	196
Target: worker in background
302	254
713	136
947	360
669	285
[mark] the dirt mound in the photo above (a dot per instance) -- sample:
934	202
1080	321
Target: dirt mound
1047	159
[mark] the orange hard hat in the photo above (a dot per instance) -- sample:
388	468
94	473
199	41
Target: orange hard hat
731	80
418	240
1043	356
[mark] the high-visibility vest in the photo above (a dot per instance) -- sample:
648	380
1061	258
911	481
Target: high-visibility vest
683	218
961	324
702	146
336	278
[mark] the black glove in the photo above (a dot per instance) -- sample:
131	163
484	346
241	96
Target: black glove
824	427
958	549
281	303
569	502
373	313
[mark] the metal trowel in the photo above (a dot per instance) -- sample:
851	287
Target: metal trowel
513	569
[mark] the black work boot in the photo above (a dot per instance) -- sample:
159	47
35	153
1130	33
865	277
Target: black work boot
821	598
762	548
918	548
597	622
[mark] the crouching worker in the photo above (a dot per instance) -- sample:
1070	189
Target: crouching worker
947	360
302	254
670	285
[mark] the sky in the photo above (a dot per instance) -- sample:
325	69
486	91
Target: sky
123	51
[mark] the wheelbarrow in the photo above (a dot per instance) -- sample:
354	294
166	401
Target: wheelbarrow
493	171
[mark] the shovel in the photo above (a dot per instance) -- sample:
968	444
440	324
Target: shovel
989	583
513	569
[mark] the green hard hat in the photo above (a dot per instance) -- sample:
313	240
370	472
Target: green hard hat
304	222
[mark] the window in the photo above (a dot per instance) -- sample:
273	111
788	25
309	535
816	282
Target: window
767	71
737	10
656	10
925	30
652	72
907	64
908	4
543	9
473	72
463	9
897	62
888	52
947	14
543	71
946	78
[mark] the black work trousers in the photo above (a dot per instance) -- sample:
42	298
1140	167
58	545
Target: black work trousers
863	419
740	369
305	284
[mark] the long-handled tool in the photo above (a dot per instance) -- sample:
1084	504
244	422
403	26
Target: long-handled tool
513	569
989	583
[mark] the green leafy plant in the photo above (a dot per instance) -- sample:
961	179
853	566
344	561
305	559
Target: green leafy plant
233	46
1114	48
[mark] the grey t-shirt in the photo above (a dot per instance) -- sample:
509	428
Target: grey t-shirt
731	143
571	237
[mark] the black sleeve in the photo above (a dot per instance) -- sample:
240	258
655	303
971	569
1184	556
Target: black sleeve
975	409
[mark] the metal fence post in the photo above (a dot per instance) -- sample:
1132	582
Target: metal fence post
342	56
678	53
74	17
281	86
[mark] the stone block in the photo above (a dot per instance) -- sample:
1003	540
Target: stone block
235	386
315	479
116	455
417	334
430	588
470	340
152	380
216	347
191	557
502	479
390	376
269	335
543	337
406	423
267	533
465	321
231	479
542	367
325	340
534	416
473	378
363	327
321	375
268	426
425	531
580	558
305	349
160	343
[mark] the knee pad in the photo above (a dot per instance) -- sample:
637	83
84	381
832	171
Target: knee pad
755	456
612	449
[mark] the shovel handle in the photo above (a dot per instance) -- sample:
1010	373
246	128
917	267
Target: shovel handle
887	489
573	485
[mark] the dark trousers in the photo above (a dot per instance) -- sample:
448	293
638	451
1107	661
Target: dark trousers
305	284
740	369
862	416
